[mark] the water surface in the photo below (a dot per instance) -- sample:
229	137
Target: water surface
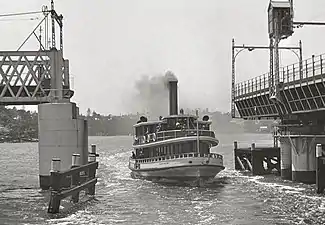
233	197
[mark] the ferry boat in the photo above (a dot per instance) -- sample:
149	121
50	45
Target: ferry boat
175	147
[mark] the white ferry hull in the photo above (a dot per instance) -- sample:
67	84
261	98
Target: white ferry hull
183	169
185	173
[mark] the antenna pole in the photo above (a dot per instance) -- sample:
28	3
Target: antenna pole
197	132
53	23
40	37
233	80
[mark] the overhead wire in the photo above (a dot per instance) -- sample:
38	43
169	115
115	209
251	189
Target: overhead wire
21	19
20	14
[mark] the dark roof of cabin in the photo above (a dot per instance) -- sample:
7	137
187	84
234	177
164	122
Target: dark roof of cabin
148	123
180	116
279	4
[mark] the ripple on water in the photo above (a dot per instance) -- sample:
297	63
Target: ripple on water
231	198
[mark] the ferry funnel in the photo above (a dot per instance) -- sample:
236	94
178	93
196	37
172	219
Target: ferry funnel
173	99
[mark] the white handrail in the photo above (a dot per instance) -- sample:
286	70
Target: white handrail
183	155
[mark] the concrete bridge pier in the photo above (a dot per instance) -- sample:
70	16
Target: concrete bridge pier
62	133
286	161
303	159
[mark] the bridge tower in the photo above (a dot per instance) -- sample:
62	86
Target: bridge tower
41	77
294	94
280	26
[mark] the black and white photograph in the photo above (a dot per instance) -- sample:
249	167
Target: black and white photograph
152	112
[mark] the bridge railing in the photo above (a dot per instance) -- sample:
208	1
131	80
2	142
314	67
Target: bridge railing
288	75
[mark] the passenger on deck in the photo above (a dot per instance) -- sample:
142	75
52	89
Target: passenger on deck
133	155
136	141
158	128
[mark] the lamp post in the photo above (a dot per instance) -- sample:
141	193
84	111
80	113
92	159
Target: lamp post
233	72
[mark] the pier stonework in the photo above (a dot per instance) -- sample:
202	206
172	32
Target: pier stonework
320	168
61	134
303	160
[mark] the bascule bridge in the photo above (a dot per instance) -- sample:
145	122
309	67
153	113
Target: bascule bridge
41	77
294	94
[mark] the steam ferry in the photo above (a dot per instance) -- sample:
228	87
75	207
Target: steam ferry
175	147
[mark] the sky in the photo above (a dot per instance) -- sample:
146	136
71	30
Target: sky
114	44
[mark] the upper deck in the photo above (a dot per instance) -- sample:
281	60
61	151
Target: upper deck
171	127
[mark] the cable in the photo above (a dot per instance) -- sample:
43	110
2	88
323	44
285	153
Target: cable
20	14
32	18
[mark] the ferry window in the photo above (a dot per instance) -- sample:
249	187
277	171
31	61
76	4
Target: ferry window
171	124
176	149
186	147
192	125
145	152
194	146
164	126
152	128
138	131
146	130
204	148
180	148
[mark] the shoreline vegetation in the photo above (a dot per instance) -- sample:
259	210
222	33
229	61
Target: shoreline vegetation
19	125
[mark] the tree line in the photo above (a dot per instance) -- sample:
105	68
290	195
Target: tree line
18	125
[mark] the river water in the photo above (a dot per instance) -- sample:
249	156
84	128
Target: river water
233	197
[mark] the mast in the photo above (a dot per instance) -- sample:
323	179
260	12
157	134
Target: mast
197	132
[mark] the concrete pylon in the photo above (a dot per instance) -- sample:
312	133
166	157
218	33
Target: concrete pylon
303	159
286	161
61	134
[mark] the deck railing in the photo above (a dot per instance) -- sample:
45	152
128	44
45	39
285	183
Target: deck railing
288	75
165	135
183	155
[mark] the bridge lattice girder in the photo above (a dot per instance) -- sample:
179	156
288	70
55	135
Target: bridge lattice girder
33	77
